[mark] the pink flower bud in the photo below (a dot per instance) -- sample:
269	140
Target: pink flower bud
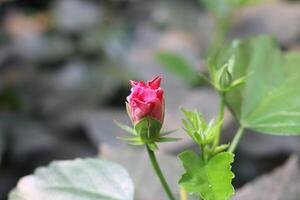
146	100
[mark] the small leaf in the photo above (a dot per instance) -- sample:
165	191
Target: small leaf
81	179
211	180
125	128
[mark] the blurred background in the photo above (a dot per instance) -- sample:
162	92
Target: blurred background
64	71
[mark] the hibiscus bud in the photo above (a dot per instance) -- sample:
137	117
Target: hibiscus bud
146	100
225	78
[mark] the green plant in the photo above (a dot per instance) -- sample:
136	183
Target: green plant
255	80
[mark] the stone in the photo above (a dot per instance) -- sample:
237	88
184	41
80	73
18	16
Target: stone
135	160
279	19
281	184
76	15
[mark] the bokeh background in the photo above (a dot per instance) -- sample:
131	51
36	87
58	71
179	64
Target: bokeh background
64	71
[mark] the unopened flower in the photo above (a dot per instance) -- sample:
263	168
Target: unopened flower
146	100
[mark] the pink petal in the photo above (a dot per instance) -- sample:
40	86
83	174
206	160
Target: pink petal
133	83
147	95
157	110
137	83
155	82
160	94
139	109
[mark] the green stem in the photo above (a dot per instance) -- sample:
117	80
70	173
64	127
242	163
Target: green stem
222	27
159	173
220	118
236	139
222	107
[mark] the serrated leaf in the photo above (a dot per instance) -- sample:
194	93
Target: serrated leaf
269	101
178	65
81	179
211	180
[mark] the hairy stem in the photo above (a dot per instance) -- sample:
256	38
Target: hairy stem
159	173
236	139
220	118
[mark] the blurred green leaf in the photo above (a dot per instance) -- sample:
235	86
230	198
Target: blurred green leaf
211	180
178	65
9	99
81	179
2	144
269	101
224	7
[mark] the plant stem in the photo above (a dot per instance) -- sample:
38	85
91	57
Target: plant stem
183	194
236	139
159	173
222	106
220	118
222	26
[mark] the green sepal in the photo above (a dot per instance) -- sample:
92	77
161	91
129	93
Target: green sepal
125	128
148	129
221	148
168	139
236	83
197	129
152	146
224	78
128	112
164	133
211	151
132	140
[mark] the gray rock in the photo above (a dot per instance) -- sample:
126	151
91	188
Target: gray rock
76	15
42	49
281	184
278	19
147	185
266	145
101	128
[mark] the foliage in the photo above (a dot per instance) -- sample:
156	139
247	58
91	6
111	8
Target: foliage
81	179
177	64
269	101
212	179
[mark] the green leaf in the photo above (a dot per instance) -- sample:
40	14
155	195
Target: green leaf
178	65
81	179
211	180
269	101
3	140
223	7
